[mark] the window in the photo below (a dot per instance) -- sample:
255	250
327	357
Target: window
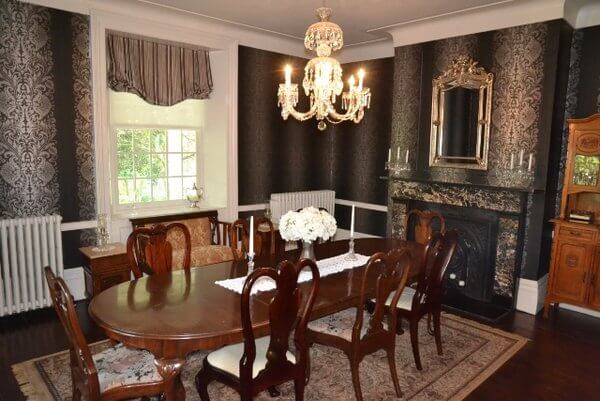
155	164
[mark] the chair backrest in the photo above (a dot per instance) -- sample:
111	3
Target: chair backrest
391	271
260	223
82	363
439	252
286	314
150	251
239	237
424	224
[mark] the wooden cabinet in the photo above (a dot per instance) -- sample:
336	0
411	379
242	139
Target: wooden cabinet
575	262
102	270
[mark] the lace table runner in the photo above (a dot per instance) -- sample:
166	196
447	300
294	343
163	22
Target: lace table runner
326	267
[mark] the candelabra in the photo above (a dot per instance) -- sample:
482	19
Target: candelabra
398	166
521	174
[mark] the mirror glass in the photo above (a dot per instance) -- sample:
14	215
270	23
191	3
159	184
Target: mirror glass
585	170
461	110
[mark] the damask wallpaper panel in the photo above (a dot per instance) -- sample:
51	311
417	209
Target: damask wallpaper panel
46	147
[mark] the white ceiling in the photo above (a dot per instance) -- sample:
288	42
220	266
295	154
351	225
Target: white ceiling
361	20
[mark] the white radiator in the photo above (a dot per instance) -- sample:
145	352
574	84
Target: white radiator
284	202
27	245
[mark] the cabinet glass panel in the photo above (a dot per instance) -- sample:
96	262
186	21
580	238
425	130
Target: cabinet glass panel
585	170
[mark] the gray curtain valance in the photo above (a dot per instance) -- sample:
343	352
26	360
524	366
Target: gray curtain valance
159	72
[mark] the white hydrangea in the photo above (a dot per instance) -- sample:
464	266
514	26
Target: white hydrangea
307	225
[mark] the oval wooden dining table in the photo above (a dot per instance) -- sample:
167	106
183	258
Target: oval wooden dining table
174	314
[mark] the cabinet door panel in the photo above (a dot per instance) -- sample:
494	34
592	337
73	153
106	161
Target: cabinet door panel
573	261
594	299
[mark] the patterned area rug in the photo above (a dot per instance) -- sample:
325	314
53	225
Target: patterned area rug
472	352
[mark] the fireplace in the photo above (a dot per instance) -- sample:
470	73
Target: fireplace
481	277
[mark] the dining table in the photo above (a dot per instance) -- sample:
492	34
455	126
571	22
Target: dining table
176	313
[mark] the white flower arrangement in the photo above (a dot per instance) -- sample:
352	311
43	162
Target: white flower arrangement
307	225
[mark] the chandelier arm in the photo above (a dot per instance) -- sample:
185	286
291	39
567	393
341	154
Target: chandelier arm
339	117
302	116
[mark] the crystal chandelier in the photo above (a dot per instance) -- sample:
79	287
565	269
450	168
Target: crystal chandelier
322	81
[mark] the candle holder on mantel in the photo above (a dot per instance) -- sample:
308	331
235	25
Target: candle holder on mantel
398	166
521	173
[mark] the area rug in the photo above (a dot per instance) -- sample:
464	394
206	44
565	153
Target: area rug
472	352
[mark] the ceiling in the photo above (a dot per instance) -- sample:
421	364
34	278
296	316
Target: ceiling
362	20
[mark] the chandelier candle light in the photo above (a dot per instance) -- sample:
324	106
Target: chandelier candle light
322	81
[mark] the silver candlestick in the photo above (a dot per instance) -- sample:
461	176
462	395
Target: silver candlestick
351	254
250	263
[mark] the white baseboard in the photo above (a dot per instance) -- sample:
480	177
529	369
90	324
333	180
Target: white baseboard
74	279
579	309
531	294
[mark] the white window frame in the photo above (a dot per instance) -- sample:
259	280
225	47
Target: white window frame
147	206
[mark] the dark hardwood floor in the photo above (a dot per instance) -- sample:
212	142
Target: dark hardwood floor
559	364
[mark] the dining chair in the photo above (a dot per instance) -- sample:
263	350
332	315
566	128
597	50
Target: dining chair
150	251
116	373
260	364
426	298
266	230
358	333
423	229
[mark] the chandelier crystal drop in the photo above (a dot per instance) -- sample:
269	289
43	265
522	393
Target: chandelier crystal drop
322	81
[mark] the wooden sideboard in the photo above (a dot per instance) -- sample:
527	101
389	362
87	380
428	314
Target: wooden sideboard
575	261
103	269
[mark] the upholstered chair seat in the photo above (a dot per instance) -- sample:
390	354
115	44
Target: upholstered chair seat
204	255
227	359
120	366
340	324
405	301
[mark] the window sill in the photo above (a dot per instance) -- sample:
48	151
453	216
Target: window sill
161	211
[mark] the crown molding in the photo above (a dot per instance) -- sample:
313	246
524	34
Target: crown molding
366	51
588	14
245	35
497	16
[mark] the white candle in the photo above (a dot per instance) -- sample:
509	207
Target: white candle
251	246
530	164
398	153
512	160
521	153
389	155
352	223
406	156
351	83
288	74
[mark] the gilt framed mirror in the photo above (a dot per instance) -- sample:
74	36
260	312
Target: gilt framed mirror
461	110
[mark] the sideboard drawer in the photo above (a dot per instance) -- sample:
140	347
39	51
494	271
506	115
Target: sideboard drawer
578	234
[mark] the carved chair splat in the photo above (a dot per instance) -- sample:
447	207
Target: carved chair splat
150	252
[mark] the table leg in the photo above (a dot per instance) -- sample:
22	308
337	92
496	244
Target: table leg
170	370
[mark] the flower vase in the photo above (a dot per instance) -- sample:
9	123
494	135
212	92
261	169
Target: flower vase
308	251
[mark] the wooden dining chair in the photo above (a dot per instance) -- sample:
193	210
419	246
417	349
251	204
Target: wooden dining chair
266	230
358	333
149	251
424	225
117	373
260	364
426	298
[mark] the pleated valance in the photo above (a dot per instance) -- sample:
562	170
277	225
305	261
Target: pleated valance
160	72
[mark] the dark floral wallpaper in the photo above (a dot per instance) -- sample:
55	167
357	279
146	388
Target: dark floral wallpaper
46	146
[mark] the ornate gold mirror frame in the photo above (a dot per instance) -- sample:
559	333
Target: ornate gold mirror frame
463	73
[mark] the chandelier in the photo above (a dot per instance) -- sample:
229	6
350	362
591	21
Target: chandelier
322	81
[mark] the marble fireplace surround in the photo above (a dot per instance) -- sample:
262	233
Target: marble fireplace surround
508	203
